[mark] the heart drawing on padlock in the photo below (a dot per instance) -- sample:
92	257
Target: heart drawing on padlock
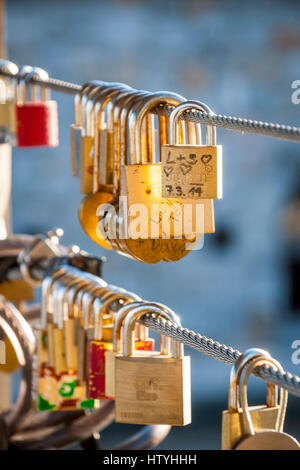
206	159
185	168
168	170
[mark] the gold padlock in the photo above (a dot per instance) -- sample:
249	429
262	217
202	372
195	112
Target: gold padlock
263	419
7	97
151	387
142	342
162	218
191	171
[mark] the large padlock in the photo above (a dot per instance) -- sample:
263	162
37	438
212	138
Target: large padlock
142	341
162	236
101	178
151	387
253	427
121	108
191	171
7	98
37	120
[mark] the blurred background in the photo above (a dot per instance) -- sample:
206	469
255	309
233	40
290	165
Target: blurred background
240	58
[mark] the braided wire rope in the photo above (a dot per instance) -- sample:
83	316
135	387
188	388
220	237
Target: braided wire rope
249	126
219	351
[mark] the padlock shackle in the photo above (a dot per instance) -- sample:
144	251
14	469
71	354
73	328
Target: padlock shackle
129	328
46	292
78	101
61	295
248	428
54	298
235	375
89	102
42	75
118	323
211	136
125	135
136	116
120	103
88	302
6	66
19	92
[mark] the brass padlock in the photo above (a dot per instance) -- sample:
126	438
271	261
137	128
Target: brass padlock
263	419
7	97
142	341
151	387
191	171
161	235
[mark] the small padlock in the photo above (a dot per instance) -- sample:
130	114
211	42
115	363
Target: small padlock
37	120
263	421
191	171
142	341
151	387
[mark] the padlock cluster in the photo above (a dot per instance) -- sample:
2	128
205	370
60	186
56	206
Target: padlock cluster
27	114
91	348
148	180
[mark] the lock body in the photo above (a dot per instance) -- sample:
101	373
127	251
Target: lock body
153	389
76	133
263	417
86	164
194	172
37	124
96	356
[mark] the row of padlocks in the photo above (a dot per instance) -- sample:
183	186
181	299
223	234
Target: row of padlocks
91	347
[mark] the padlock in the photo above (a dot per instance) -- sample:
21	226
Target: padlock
7	98
76	129
101	192
151	387
191	171
264	419
141	184
142	341
265	439
100	343
120	111
37	120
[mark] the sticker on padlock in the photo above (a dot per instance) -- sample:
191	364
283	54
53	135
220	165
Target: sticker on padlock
191	171
151	387
255	427
37	120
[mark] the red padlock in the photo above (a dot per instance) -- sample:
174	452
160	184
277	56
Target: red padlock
37	120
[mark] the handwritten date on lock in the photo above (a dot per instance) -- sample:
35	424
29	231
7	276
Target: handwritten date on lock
192	171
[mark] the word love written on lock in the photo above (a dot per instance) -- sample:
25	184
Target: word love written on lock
151	387
37	120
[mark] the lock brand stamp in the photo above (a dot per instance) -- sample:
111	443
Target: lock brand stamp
147	387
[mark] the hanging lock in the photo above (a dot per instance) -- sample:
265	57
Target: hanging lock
37	120
141	184
191	171
7	98
151	387
100	343
142	340
255	427
100	178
